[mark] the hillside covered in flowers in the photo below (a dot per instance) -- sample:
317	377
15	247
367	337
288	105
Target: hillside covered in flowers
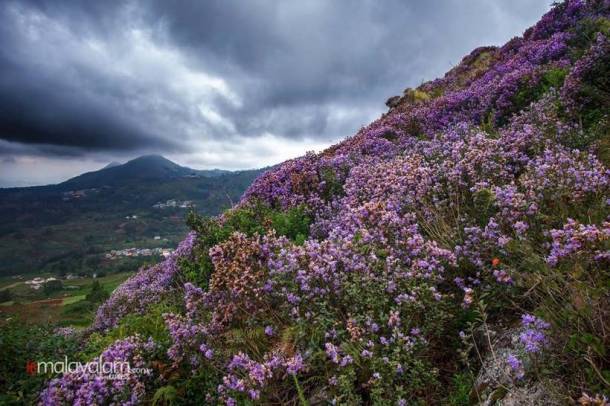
455	251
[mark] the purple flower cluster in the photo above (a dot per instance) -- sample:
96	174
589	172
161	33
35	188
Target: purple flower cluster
248	377
559	173
533	338
66	332
124	383
532	341
144	288
516	366
187	334
575	240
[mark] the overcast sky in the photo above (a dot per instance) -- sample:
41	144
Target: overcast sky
217	84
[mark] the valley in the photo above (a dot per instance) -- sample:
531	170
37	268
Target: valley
70	227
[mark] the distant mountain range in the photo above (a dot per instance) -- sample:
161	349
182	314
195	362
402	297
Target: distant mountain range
144	168
147	167
49	226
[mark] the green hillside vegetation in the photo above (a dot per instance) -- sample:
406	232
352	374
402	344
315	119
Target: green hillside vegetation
61	302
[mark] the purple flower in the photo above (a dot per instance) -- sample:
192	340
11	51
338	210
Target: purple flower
346	361
366	354
82	387
292	298
533	338
516	366
520	227
332	352
294	364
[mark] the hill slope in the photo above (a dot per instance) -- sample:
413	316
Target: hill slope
455	251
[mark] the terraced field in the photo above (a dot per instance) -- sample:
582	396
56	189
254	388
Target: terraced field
67	306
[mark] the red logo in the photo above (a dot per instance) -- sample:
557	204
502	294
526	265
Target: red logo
31	368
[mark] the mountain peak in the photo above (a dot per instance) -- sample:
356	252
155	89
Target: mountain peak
112	165
152	160
150	157
143	168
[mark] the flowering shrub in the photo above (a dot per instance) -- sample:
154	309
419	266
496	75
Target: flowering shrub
346	276
580	241
143	289
21	345
532	341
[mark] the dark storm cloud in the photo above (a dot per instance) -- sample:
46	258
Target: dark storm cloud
299	64
60	107
83	76
40	113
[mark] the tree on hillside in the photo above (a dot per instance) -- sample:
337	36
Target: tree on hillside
52	286
5	295
97	293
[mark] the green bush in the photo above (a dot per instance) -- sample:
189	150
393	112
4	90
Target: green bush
5	295
150	324
51	287
257	218
593	96
21	343
584	34
333	187
97	293
461	386
79	308
528	92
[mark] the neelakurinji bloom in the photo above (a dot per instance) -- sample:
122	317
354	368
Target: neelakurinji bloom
411	220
